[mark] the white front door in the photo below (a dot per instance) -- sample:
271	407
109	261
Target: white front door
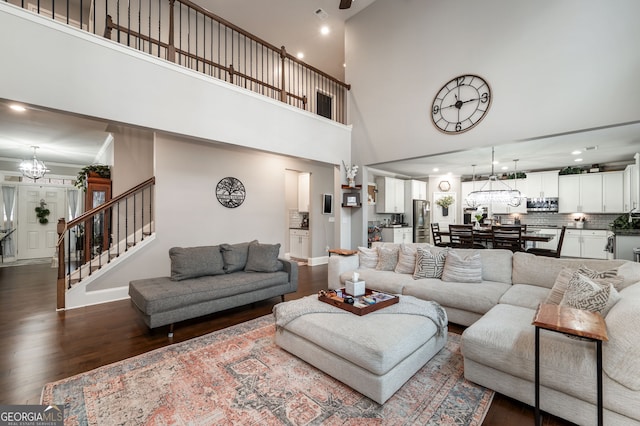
37	240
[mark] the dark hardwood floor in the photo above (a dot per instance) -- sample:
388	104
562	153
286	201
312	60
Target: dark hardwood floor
40	345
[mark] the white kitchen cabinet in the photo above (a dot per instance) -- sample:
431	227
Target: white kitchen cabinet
419	190
580	193
587	243
541	185
303	191
630	188
390	195
397	235
299	243
591	193
612	192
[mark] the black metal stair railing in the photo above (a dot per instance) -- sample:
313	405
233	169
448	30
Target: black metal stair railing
94	239
184	33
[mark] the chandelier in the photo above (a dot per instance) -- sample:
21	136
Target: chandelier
494	191
34	168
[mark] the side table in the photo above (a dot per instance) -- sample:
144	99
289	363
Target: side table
343	252
562	319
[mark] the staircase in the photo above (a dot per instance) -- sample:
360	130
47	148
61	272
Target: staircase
100	237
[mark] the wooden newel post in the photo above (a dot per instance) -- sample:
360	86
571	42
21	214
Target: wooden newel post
283	90
171	50
61	289
108	25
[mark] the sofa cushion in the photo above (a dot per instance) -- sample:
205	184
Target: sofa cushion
235	256
542	271
462	269
191	262
263	258
406	259
621	357
525	295
429	264
154	295
386	281
368	257
476	298
496	263
387	258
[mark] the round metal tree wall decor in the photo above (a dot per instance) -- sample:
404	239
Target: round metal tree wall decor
230	192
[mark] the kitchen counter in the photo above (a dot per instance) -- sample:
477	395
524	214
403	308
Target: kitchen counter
633	232
300	227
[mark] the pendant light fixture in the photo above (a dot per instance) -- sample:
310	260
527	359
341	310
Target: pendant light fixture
34	168
494	191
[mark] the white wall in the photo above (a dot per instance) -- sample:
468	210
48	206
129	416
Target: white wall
187	212
553	66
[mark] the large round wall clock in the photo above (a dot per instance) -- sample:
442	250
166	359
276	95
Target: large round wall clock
230	192
461	104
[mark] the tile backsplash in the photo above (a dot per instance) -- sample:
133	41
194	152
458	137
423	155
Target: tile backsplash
592	221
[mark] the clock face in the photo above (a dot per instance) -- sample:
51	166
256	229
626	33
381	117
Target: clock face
230	192
461	104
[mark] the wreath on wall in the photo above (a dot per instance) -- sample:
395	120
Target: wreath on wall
42	212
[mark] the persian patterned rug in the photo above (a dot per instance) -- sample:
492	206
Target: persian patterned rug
238	376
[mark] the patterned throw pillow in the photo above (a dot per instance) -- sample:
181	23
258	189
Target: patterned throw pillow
428	264
462	269
562	281
368	257
406	259
583	293
387	258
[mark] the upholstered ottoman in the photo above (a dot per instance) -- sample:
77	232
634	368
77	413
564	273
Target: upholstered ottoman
374	354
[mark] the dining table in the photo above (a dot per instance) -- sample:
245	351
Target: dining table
529	236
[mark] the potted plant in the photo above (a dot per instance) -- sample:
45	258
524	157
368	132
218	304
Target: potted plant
445	202
99	169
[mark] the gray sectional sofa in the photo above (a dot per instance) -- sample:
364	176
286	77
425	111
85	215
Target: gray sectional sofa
209	279
498	344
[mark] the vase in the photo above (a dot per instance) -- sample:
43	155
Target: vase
352	182
445	211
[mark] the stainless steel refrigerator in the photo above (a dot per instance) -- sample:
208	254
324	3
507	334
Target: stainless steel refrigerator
421	221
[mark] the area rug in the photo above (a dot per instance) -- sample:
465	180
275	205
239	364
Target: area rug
238	376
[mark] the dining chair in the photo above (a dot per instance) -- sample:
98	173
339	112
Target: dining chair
435	235
461	236
507	237
550	252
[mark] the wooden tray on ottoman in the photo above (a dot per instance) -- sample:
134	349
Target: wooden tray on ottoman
359	307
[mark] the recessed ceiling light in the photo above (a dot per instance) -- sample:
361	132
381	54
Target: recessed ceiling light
504	167
17	107
577	160
576	152
591	148
324	30
435	169
300	55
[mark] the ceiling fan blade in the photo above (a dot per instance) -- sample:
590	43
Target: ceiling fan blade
345	4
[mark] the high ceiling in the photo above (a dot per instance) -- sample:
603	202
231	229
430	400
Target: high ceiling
71	140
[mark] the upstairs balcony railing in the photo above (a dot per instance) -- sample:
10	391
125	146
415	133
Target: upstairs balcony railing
184	33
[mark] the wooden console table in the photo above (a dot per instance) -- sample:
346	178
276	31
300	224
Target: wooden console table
589	325
343	252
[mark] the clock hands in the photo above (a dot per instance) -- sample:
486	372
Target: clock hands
458	104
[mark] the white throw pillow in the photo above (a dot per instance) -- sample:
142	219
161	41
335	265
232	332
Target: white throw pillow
406	259
387	258
368	257
462	269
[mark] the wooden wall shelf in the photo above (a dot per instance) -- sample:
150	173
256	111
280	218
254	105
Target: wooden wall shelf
352	187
